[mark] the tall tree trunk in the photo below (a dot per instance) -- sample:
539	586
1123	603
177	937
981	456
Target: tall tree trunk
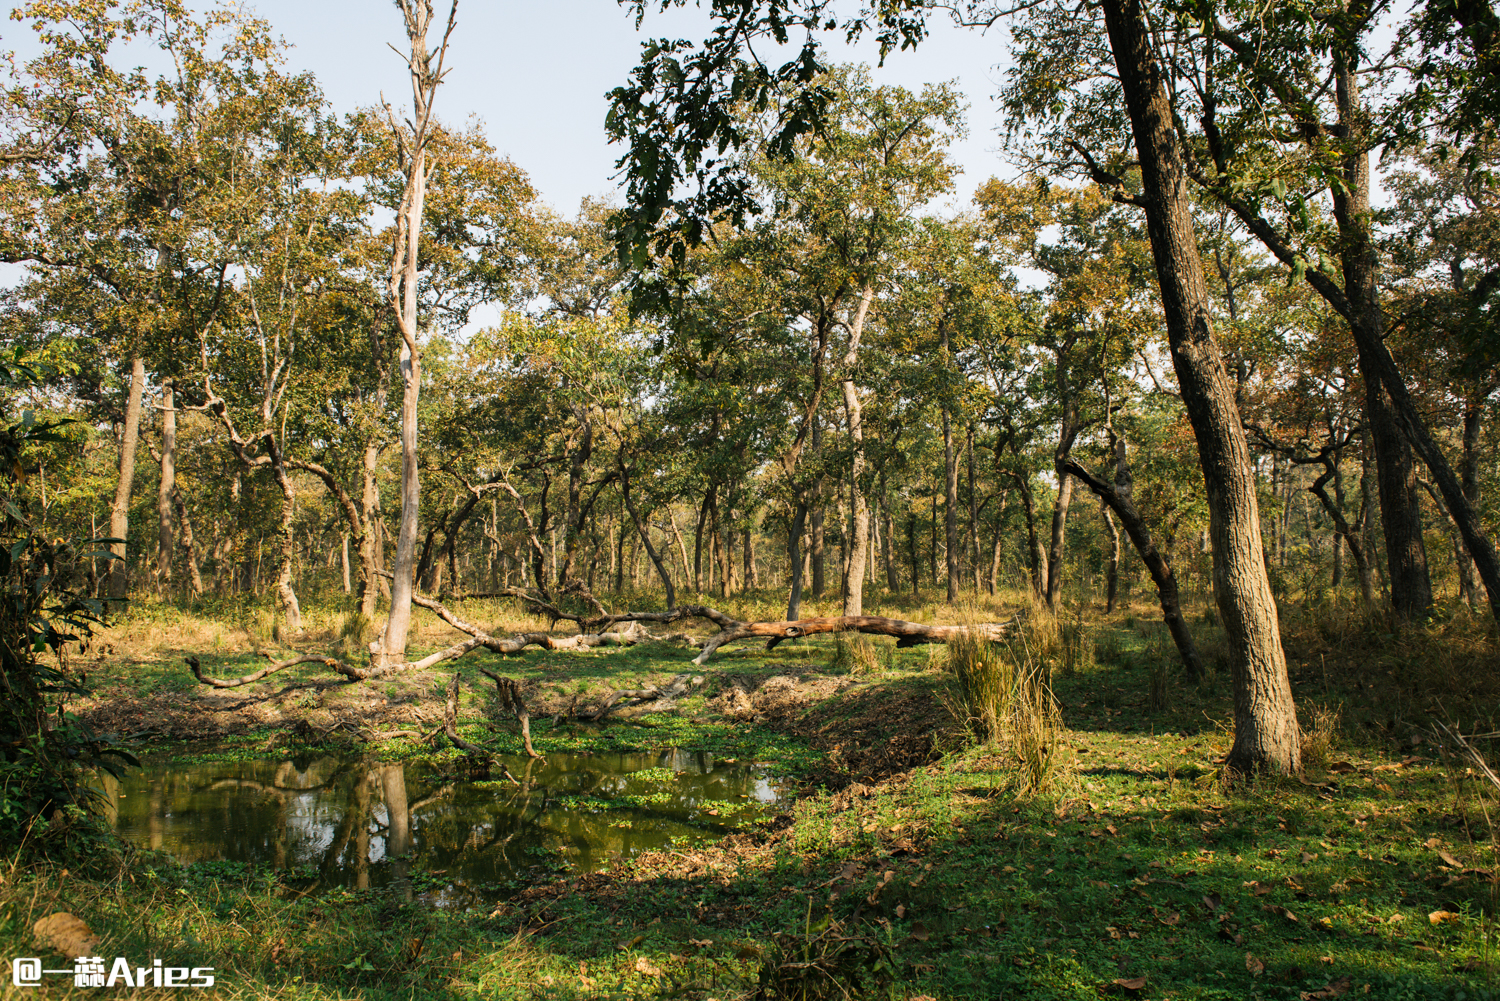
1400	511
1266	732
950	504
854	577
645	537
1112	565
1469	477
166	486
286	595
973	514
1036	559
189	551
703	510
426	72
369	543
911	549
794	557
1060	505
888	540
996	546
1400	503
750	578
725	558
687	571
1067	433
119	512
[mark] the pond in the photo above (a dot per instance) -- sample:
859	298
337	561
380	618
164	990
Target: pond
323	822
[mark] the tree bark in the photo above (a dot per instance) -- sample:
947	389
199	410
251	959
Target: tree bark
1112	566
1036	559
286	595
911	548
369	540
1400	503
854	578
189	550
973	515
1266	731
119	512
1060	505
166	486
426	73
950	504
888	540
641	530
996	546
794	556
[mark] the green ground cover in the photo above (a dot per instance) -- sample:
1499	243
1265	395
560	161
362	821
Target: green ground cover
921	870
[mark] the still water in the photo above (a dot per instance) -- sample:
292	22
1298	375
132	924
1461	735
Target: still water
325	822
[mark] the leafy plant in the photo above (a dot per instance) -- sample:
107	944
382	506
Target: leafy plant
45	752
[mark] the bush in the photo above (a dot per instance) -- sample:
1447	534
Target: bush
45	752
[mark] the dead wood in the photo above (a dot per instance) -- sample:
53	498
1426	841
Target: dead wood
450	723
659	697
510	698
254	676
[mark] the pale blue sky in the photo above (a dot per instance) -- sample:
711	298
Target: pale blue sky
537	73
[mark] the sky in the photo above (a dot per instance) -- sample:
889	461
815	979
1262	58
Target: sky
537	75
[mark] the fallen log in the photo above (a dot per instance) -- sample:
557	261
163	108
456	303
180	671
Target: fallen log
254	676
680	685
906	633
730	630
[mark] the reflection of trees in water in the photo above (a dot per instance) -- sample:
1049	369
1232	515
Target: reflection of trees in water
351	819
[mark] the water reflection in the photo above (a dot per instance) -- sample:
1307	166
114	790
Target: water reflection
358	823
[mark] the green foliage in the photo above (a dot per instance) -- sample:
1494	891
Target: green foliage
44	794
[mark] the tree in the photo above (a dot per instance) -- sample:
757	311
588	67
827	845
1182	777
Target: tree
412	140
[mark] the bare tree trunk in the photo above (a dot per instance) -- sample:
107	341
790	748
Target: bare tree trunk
911	549
286	542
1112	566
1400	511
795	556
973	515
996	545
747	548
950	502
189	551
1266	731
165	488
426	69
854	581
370	541
888	540
1474	408
645	537
119	512
1060	507
1037	560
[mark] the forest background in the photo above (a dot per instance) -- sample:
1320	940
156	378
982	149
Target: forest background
787	366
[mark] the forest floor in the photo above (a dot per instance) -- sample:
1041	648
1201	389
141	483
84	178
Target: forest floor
910	865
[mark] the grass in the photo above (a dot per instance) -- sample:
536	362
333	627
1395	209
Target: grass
916	863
